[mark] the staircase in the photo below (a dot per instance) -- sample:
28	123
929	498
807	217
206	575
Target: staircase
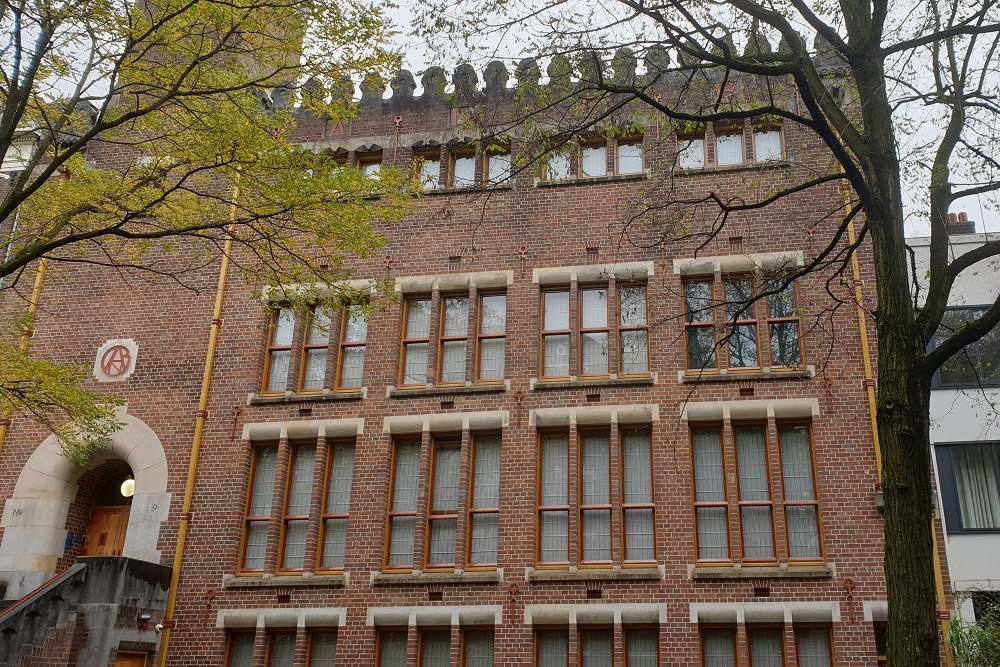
85	614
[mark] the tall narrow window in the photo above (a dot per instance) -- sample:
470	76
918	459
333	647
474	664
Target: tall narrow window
718	647
710	495
416	341
637	495
498	167
555	334
391	648
801	504
295	526
435	648
766	649
442	519
813	647
594	331
742	334
371	165
755	493
322	649
552	648
974	486
353	344
628	159
484	513
633	330
553	505
492	337
593	160
315	349
767	144
729	147
258	512
595	498
691	151
280	649
597	647
700	326
463	170
477	647
454	339
783	324
641	647
337	506
239	653
279	350
403	506
429	171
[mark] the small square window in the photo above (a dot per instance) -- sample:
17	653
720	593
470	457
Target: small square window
371	166
558	167
629	157
428	171
593	161
767	145
463	171
498	167
729	147
691	152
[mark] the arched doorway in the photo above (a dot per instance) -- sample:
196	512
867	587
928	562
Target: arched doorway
111	507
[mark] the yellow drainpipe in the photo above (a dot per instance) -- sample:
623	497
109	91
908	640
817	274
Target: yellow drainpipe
36	297
872	411
199	429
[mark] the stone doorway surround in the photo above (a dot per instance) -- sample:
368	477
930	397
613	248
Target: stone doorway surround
34	517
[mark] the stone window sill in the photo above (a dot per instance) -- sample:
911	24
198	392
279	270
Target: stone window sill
612	178
285	581
595	383
289	397
423	578
727	375
477	188
724	573
595	574
746	166
423	392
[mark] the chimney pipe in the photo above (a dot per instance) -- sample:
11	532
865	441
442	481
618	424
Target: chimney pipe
960	224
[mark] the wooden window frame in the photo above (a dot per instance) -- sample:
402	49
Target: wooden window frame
480	336
716	627
417	161
591	142
764	627
272	327
740	503
473	511
380	635
826	628
780	129
247	517
793	318
366	160
392	514
463	638
442	338
719	429
603	507
231	636
711	324
541	509
548	333
449	441
626	328
730	130
461	153
684	137
630	140
427	630
606	329
272	635
324	516
538	631
413	341
294	448
815	502
583	630
488	166
307	347
749	317
625	507
311	636
639	627
343	344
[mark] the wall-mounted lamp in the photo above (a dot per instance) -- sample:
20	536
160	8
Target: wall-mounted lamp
128	487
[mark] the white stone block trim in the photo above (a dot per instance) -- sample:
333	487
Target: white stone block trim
315	428
561	275
765	612
876	610
596	613
270	617
274	294
782	408
763	261
454	281
452	421
595	414
426	615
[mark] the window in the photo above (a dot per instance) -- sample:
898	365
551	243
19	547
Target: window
552	648
453	339
628	156
729	146
593	160
353	345
978	364
371	165
986	606
595	331
391	648
718	647
239	652
463	170
597	647
314	350
558	167
691	151
881	643
641	649
322	648
279	350
294	514
498	167
280	649
435	648
312	346
812	645
739	346
766	647
428	170
446	501
970	485
767	144
477	647
754	507
595	501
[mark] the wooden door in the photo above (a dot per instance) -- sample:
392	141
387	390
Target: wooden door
106	532
130	660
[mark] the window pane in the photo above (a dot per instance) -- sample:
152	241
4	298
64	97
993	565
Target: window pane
478	648
404	497
556	311
781	304
430	173
558	167
767	145
442	547
486	486
635	357
597	645
729	149
323	649
282	652
595	353
319	327
415	371
353	368
277	376
465	171
372	169
757	540
639	534
338	499
752	459
446	460
630	158
295	544
453	361
256	546
596	535
640	645
813	646
713	533
785	344
717	646
555	469
593	160
554	537
594	308
241	650
418	318
499	167
334	542
300	484
401	544
263	481
493	314
636	467
691	152
284	327
456	316
977	477
979	362
553	648
357	325
484	538
315	370
738	295
392	649
632	306
596	475
803	536
743	347
492	358
796	463
709	486
556	353
766	649
698	299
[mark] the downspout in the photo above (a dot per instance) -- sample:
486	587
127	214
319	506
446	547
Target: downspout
199	429
29	330
869	383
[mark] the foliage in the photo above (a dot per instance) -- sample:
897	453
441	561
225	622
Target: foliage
976	644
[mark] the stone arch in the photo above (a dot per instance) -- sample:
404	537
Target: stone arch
34	517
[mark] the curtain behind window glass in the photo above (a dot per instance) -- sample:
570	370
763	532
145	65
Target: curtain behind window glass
729	149
282	653
392	649
597	648
813	647
478	648
593	161
717	646
977	478
553	648
641	648
241	650
323	650
765	648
